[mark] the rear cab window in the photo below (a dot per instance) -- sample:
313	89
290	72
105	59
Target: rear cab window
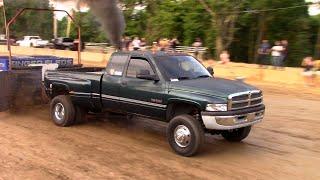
136	65
116	65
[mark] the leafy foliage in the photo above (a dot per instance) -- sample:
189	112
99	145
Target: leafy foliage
187	20
30	22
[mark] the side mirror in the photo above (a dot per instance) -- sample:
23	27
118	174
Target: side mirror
210	70
145	74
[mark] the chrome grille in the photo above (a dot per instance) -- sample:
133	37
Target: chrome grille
245	100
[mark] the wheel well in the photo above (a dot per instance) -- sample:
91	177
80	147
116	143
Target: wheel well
179	108
59	89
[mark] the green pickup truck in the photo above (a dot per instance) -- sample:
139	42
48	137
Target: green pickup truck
175	88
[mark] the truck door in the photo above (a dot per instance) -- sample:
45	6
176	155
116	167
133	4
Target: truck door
111	82
140	96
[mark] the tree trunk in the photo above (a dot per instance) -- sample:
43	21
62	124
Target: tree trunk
252	43
219	46
261	32
317	46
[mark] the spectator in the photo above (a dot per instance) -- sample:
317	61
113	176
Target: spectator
164	44
276	53
197	44
155	47
308	73
284	54
143	44
263	53
224	57
124	43
136	43
174	43
317	66
127	42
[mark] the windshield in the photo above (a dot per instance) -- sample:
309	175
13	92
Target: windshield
177	68
35	37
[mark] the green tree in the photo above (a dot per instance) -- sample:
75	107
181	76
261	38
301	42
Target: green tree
30	22
91	30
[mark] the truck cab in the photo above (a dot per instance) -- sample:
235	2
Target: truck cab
174	88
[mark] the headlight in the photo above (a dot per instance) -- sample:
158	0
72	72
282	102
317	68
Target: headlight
217	107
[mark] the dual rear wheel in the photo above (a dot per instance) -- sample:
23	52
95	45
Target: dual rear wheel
64	113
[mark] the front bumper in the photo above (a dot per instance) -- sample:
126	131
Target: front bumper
233	120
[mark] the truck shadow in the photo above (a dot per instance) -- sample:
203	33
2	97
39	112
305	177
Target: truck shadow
148	128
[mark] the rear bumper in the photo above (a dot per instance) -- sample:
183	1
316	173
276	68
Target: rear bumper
233	120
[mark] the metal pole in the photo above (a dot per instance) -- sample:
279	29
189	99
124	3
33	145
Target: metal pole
4	16
5	27
37	9
79	46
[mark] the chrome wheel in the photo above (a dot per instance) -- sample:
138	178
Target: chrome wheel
59	111
182	136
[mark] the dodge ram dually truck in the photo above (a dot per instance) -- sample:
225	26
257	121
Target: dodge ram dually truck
175	88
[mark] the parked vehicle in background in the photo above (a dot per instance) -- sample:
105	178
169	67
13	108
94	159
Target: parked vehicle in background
3	40
32	41
63	43
76	42
174	88
66	43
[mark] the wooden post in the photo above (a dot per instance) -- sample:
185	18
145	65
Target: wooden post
69	25
55	26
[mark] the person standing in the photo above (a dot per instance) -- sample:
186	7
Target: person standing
276	53
263	53
136	43
308	73
155	47
284	53
143	44
197	44
127	43
224	57
174	43
164	44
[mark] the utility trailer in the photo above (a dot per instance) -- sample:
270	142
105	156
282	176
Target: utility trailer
21	76
22	86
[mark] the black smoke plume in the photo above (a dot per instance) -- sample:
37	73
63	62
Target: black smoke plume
110	16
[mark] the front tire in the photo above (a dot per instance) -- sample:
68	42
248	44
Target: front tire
185	135
236	135
62	111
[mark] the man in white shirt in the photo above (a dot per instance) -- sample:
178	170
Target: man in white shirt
276	52
136	43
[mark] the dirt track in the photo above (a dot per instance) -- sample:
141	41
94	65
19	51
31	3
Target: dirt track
285	146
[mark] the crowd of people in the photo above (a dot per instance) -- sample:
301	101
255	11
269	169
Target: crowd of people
163	44
275	55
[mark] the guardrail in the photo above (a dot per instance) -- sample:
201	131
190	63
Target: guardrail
180	49
190	49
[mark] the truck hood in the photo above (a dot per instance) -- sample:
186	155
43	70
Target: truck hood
213	87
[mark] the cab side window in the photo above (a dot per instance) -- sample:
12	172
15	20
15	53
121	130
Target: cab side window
136	66
116	65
